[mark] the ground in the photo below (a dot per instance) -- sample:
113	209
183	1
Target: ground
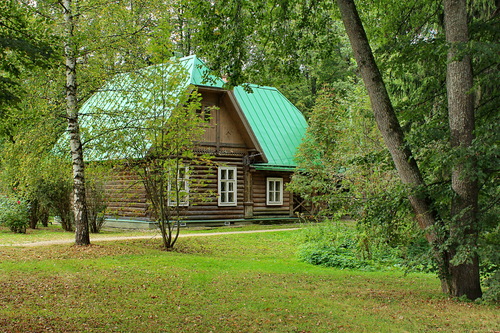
238	282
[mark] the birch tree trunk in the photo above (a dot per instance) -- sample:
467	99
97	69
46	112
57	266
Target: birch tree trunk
464	278
79	203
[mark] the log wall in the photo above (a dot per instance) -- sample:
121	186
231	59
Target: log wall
259	195
127	196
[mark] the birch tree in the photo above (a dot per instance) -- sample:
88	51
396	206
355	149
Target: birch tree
99	47
79	202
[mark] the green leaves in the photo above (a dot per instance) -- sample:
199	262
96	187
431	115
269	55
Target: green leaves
14	213
23	45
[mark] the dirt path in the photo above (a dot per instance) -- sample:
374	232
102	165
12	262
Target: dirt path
98	238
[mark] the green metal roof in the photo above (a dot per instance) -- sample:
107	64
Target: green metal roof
199	73
277	124
105	111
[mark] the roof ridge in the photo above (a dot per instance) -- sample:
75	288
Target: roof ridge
259	86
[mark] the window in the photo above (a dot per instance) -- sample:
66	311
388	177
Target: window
227	186
204	112
182	188
274	193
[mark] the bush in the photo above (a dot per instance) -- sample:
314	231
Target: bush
96	205
58	193
489	244
344	246
491	283
14	213
332	244
330	256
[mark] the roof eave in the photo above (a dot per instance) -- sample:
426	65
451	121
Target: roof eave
267	167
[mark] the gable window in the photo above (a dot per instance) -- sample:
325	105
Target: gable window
274	193
179	191
204	112
227	186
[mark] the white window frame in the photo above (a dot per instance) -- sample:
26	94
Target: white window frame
226	187
185	181
274	185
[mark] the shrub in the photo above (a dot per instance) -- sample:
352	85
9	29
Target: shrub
96	205
331	256
345	246
57	193
490	263
491	293
332	244
14	213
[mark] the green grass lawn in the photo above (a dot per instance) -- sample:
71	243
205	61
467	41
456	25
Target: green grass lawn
223	283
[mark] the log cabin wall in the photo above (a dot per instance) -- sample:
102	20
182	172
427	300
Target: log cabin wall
127	198
261	209
203	203
125	195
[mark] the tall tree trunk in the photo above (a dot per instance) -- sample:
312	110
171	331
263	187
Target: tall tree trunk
457	280
81	221
463	278
386	119
34	213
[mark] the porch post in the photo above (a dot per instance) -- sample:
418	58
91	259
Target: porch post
248	192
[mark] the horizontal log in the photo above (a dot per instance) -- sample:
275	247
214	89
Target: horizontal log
266	213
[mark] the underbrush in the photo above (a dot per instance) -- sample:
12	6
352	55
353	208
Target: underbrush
346	246
14	214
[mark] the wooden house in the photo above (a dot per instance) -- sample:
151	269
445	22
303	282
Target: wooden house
253	137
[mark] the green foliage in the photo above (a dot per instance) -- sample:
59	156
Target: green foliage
345	169
492	288
23	45
490	263
409	44
14	213
295	46
96	204
412	53
332	245
347	246
28	164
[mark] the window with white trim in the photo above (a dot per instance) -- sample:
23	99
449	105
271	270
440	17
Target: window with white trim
227	186
181	191
274	193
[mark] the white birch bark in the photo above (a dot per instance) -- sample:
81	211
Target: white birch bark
79	202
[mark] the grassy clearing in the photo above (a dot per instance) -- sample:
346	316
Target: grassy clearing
226	283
